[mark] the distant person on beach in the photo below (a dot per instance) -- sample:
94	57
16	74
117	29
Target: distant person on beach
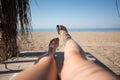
75	67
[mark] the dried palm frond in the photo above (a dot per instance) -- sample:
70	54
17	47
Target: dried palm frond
15	17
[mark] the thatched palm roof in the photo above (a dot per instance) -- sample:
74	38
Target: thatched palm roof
14	15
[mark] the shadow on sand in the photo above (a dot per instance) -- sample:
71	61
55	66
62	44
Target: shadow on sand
59	57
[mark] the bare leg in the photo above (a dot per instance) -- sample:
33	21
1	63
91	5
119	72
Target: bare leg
76	67
45	69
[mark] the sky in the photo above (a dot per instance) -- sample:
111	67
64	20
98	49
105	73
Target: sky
75	13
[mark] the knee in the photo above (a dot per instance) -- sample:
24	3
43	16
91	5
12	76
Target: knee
46	59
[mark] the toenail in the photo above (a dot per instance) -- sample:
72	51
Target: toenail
57	25
57	38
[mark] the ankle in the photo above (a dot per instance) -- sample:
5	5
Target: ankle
51	51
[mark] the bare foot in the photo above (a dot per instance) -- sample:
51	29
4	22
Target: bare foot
54	43
62	31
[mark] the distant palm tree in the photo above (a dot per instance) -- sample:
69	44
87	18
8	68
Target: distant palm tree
14	15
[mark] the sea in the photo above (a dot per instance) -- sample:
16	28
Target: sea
79	30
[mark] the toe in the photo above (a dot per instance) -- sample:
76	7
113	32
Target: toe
54	43
57	38
61	27
57	27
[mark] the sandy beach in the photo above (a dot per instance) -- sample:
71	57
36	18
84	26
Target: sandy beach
105	46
